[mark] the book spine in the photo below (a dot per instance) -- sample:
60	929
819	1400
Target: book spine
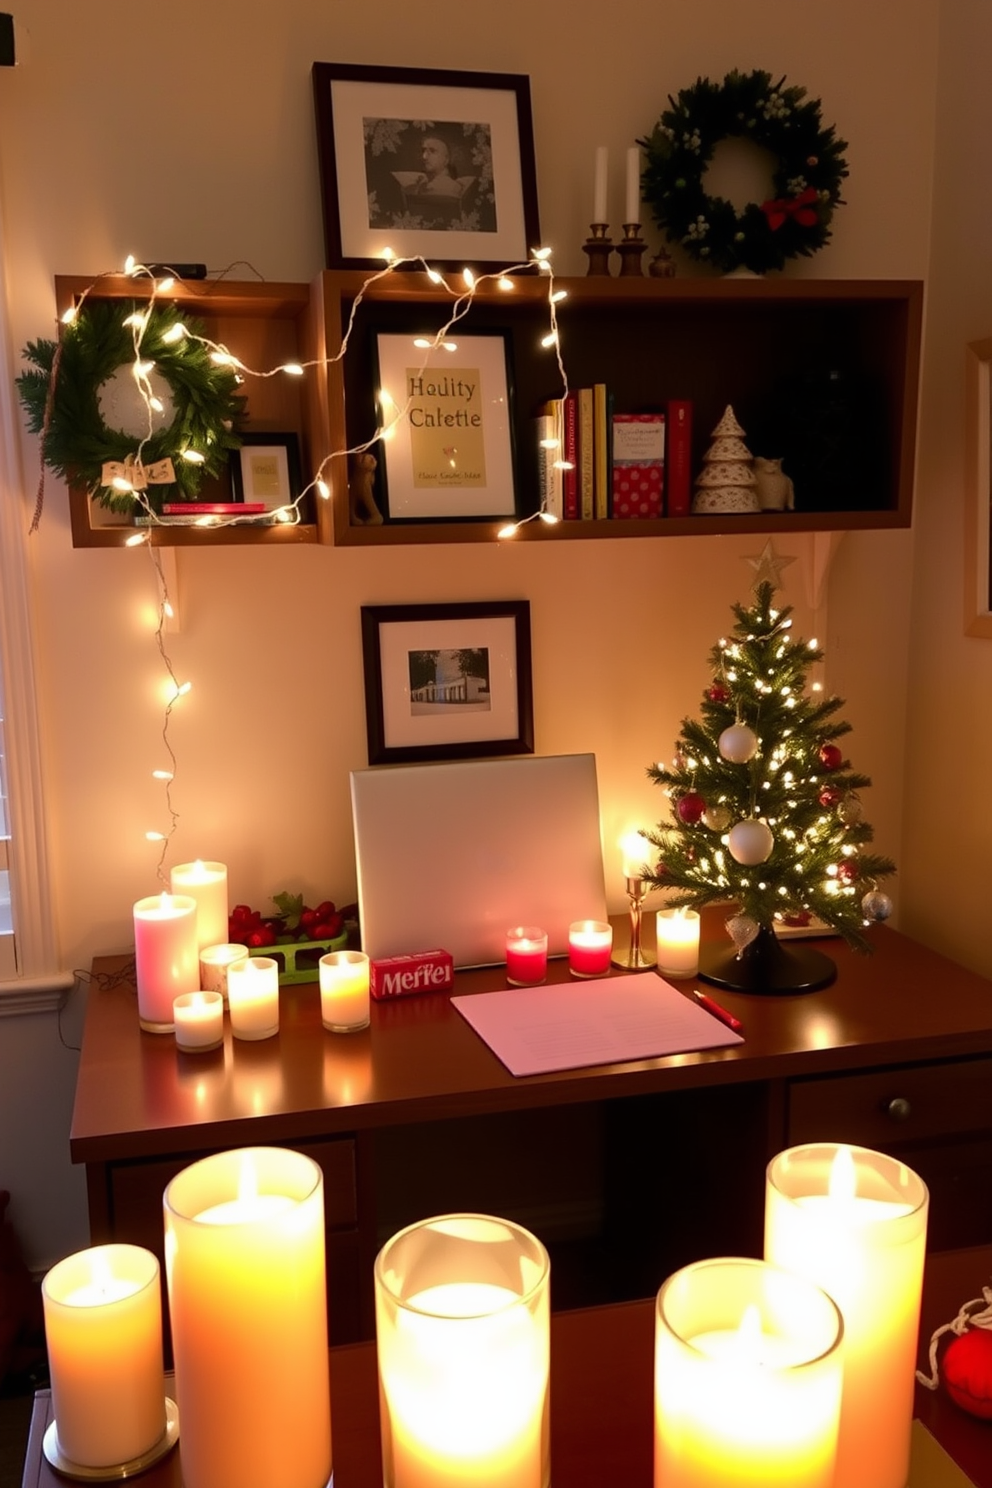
212	508
601	451
638	464
587	464
570	483
548	434
679	493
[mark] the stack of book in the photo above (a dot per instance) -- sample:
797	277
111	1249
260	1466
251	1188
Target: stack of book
596	464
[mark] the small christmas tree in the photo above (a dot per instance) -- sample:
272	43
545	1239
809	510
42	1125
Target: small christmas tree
726	482
766	809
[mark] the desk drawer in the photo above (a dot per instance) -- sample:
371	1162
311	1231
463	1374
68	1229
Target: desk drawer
918	1103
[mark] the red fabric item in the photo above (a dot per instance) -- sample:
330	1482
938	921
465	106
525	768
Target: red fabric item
968	1372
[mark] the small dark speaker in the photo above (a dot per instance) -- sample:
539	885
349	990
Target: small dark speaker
6	39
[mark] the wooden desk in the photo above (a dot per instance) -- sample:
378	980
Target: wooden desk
417	1116
602	1373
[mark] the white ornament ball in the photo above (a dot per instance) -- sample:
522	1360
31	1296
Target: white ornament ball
717	818
876	906
750	842
738	743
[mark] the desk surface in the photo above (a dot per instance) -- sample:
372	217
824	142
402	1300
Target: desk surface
419	1060
602	1370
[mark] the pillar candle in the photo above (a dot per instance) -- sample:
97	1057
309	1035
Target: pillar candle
855	1222
344	991
633	202
677	935
599	185
462	1312
244	1245
165	957
253	997
526	956
747	1379
207	884
214	962
103	1328
199	1020
589	945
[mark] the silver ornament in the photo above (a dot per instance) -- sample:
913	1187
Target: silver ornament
750	842
738	743
850	810
717	818
742	930
876	906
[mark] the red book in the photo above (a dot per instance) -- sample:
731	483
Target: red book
679	494
638	464
213	508
570	451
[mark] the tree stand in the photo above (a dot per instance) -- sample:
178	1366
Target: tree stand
766	967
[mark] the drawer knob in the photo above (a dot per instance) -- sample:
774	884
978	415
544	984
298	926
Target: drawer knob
899	1108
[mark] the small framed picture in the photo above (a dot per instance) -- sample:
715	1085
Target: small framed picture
448	450
266	469
447	681
429	164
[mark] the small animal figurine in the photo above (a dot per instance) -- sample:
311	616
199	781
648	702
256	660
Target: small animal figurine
361	492
773	488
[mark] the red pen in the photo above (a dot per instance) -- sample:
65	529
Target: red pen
724	1016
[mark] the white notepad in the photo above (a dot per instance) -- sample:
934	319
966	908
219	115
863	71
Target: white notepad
538	1030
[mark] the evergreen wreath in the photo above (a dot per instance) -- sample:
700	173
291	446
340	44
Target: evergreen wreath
807	178
61	397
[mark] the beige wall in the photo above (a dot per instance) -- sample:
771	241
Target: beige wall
187	133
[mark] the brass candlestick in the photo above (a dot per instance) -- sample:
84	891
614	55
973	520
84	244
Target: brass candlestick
630	251
598	248
633	958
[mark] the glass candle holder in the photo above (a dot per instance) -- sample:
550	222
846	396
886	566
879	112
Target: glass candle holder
462	1314
214	963
748	1377
103	1328
199	1022
855	1222
677	937
526	956
244	1241
165	956
344	991
253	997
590	943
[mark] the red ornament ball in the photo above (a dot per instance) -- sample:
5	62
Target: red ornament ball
689	808
718	692
830	756
830	795
847	870
968	1372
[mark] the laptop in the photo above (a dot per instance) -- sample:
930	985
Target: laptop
452	855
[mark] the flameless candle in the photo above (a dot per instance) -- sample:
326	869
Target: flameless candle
199	1020
207	884
526	956
599	185
677	934
589	945
103	1327
165	957
747	1379
253	997
462	1310
633	185
344	991
855	1222
244	1244
214	961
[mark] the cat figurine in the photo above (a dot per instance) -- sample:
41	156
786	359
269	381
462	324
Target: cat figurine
773	488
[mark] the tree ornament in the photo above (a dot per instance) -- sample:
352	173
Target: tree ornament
738	743
847	870
742	930
806	181
717	818
689	808
726	481
751	842
850	811
831	758
830	796
718	692
967	1363
876	906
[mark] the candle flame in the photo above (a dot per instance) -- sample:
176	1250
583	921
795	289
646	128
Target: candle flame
101	1275
843	1184
749	1337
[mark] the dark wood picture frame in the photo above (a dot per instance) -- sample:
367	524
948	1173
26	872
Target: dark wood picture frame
287	447
479	702
428	163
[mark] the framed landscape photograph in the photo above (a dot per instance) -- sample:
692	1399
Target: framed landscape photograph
448	453
447	681
427	163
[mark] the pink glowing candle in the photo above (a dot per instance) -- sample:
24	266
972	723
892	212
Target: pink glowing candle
526	956
589	945
165	955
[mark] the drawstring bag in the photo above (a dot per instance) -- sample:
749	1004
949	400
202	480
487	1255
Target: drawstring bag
967	1362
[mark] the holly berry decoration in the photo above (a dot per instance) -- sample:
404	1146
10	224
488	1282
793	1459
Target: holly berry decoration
689	808
295	921
718	692
831	758
246	927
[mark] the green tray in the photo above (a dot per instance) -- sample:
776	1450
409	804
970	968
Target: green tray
287	957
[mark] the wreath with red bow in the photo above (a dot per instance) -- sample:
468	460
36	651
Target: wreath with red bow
809	169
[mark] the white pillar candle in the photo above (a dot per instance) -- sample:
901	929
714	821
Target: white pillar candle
462	1312
344	991
599	185
207	884
633	202
214	961
199	1020
855	1222
103	1327
253	997
244	1245
747	1379
677	935
589	945
165	957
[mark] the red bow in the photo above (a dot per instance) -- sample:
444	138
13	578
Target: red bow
800	207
